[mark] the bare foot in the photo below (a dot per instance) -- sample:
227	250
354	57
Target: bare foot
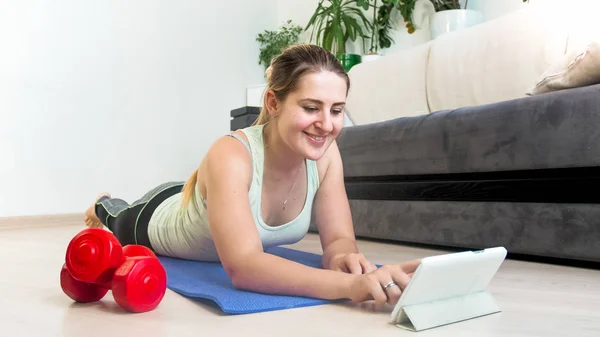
91	219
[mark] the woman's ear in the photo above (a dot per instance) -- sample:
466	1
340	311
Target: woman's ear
271	103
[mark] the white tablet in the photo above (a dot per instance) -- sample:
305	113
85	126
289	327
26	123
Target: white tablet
451	275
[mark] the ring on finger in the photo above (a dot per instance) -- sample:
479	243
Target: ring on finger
389	284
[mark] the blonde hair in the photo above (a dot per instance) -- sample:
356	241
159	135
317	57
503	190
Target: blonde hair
188	188
282	78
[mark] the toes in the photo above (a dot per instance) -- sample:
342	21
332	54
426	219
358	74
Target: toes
102	195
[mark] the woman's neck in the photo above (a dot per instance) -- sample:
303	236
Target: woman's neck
282	160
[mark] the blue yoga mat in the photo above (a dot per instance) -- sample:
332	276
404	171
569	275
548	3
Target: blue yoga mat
205	280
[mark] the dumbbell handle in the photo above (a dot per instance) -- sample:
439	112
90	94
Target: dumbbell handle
106	279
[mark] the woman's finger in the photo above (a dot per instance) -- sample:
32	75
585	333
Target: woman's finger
410	266
367	266
400	277
353	264
377	291
392	290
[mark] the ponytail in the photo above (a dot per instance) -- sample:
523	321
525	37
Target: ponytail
263	117
188	188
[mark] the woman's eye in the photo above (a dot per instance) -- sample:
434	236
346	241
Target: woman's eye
337	112
311	109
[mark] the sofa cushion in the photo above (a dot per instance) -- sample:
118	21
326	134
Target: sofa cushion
390	87
553	130
494	61
580	66
576	69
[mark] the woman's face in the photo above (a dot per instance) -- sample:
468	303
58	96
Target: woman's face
312	116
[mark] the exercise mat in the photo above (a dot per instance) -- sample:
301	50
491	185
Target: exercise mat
208	280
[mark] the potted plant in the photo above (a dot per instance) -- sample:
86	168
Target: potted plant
380	25
451	16
406	9
272	42
336	23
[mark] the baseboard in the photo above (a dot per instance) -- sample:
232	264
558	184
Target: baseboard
19	222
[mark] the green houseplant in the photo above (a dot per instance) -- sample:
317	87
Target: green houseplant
407	7
334	24
380	24
444	5
404	7
272	42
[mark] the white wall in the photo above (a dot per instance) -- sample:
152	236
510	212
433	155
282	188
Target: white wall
299	11
492	9
116	95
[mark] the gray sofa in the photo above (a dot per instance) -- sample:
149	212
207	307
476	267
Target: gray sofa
521	173
485	136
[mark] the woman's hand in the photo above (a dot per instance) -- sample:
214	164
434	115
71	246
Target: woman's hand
377	285
352	263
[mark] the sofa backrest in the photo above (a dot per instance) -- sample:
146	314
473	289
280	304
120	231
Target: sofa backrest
392	86
497	60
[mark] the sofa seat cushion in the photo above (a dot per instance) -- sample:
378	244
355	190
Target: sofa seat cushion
553	130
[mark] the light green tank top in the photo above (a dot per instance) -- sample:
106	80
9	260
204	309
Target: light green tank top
185	232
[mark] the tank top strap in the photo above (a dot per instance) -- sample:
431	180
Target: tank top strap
313	176
254	134
241	139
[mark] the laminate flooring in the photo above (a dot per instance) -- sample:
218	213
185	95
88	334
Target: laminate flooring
536	299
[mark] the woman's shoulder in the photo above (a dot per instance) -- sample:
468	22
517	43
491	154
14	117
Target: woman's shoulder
229	152
249	134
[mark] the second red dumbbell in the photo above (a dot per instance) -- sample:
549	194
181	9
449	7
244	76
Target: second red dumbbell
95	263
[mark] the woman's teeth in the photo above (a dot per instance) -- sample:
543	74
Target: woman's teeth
316	138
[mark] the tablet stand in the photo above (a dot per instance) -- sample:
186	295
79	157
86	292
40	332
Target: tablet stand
427	315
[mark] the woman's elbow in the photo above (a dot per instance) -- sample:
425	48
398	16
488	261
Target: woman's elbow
239	273
236	275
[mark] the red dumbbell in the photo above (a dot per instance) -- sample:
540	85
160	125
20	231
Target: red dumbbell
96	263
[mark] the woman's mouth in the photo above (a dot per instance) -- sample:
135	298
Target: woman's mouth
318	140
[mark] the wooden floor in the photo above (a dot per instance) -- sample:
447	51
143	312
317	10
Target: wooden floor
536	299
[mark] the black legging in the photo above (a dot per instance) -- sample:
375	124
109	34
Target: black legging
129	223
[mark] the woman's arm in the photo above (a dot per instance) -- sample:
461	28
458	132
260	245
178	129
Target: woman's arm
238	243
334	219
229	171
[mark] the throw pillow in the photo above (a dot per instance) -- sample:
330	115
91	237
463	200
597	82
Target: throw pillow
577	69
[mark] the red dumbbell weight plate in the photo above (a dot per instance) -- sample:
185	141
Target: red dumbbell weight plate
80	291
92	254
139	284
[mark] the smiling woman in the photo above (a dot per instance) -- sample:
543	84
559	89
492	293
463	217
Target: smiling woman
258	187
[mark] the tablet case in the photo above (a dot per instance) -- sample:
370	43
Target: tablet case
449	288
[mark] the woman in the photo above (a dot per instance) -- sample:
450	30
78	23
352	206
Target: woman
259	187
